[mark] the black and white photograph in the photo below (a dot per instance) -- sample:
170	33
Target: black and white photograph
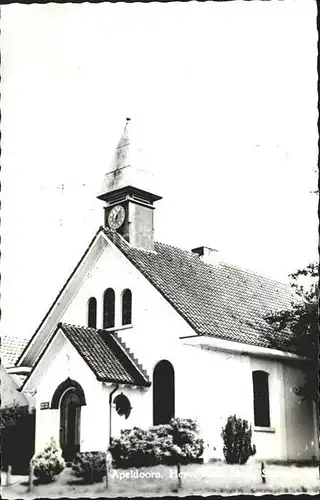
160	248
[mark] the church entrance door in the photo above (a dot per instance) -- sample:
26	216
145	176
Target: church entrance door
70	412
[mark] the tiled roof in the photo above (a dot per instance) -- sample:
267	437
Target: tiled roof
106	357
11	348
221	300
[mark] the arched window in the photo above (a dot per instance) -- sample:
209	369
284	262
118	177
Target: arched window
261	398
163	393
108	308
126	307
92	312
67	385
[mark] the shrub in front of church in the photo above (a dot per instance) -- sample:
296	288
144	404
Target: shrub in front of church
188	446
236	437
48	463
161	444
134	448
90	466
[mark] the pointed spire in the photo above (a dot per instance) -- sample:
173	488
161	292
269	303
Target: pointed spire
126	153
126	167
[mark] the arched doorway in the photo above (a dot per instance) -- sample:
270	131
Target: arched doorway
70	409
69	397
163	392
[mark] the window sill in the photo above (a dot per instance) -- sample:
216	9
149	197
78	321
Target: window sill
264	429
118	328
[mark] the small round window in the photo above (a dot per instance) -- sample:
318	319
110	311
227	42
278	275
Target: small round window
122	404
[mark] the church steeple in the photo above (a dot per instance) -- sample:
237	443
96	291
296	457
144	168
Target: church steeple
128	192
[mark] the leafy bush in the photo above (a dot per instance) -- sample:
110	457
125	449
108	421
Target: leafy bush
90	466
48	463
161	444
188	446
237	441
17	424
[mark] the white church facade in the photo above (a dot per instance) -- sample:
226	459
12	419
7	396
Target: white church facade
143	331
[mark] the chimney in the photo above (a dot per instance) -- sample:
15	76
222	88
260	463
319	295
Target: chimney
207	254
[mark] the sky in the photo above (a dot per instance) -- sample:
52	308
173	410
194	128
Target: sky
225	99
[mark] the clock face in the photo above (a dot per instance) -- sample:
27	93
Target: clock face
116	217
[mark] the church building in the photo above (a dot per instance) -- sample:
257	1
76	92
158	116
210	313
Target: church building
143	331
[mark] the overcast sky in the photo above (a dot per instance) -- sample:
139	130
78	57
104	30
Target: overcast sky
225	97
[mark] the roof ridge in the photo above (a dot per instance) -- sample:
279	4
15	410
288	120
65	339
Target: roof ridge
255	273
227	264
73	325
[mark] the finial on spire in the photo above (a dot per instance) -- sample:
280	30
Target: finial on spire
127	125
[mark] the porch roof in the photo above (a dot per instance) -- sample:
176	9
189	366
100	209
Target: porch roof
107	357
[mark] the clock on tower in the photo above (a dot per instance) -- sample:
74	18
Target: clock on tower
116	217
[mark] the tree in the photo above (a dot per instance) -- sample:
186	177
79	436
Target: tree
302	320
236	436
17	427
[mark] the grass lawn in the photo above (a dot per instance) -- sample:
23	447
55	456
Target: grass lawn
196	479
